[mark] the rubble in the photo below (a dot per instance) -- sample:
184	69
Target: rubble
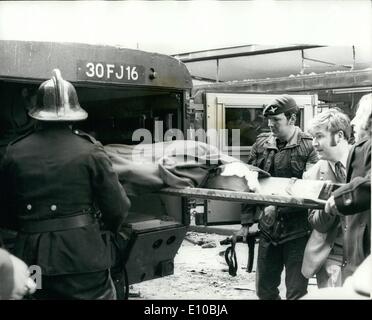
201	274
209	245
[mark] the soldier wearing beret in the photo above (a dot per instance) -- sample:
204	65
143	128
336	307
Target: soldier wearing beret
51	181
284	152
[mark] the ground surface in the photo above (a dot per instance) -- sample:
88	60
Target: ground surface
201	273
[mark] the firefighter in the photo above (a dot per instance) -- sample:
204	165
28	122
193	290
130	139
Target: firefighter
284	152
52	180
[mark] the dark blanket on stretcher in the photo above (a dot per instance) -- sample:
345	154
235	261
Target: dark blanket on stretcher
149	167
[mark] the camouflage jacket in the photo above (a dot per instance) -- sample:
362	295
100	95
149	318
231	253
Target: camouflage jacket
290	161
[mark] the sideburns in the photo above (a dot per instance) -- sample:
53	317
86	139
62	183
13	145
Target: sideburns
333	140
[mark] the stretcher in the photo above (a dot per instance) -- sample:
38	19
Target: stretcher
309	194
289	192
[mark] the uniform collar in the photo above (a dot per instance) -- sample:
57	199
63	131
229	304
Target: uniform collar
292	142
52	126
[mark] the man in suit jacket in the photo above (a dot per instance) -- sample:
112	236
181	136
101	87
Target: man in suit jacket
323	253
353	200
356	287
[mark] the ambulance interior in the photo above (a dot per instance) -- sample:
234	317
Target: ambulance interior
114	113
156	223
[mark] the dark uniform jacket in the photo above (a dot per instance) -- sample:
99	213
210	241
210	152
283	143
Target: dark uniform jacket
353	200
290	161
54	173
14	120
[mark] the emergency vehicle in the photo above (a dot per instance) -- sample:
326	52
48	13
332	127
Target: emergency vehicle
122	90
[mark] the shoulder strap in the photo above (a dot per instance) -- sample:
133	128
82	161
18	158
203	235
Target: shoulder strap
86	136
305	135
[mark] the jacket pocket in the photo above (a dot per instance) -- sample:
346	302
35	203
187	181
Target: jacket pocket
298	164
271	225
259	162
79	250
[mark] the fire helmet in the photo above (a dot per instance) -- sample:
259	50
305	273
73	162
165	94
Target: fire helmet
57	101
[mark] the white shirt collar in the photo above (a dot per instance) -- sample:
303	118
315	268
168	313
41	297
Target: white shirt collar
343	160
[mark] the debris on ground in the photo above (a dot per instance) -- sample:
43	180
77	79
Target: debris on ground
247	287
201	274
209	245
132	293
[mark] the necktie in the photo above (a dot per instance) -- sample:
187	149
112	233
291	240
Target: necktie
340	172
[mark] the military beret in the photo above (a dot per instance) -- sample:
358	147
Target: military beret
281	104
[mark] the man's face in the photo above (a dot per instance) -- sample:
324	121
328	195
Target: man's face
359	122
323	142
279	125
